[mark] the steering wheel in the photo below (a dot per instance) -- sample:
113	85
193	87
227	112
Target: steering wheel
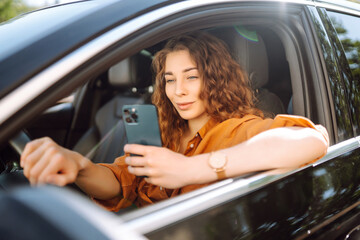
19	141
14	178
17	177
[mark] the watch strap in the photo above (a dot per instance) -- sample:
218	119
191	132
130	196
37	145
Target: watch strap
221	174
218	169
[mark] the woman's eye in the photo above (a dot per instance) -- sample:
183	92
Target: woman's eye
192	77
169	80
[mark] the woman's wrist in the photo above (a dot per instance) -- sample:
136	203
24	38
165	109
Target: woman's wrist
200	171
84	165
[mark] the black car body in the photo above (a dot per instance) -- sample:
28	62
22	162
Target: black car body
309	56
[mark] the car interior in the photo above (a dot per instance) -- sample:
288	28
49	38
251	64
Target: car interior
90	120
130	82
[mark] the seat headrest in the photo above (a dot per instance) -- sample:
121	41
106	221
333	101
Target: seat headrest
134	71
249	53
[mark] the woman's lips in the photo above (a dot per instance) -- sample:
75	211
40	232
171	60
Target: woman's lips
184	106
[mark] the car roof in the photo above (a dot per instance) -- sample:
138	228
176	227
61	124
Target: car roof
32	26
34	40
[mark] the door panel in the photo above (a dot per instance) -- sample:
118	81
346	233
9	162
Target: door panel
301	205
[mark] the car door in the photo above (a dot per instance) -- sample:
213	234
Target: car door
319	201
308	202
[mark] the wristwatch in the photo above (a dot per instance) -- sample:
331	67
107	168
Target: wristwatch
217	161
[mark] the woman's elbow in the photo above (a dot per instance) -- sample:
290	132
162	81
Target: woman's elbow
318	143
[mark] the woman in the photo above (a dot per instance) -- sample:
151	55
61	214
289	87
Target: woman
210	130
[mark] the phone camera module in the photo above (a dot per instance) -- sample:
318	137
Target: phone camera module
134	116
130	115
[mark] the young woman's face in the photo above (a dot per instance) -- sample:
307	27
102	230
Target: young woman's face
183	85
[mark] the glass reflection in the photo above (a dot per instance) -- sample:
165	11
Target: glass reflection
348	52
293	207
326	36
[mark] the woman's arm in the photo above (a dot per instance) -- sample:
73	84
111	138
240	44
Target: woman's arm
44	161
286	147
279	148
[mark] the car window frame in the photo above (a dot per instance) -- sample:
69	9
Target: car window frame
119	47
124	47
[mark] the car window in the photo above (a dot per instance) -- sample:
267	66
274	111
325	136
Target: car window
347	29
130	82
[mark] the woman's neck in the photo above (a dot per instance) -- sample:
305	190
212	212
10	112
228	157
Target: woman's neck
196	124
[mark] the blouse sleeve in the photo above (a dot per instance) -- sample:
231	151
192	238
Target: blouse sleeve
128	186
252	125
255	126
283	120
237	130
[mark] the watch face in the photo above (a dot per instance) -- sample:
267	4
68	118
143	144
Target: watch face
217	160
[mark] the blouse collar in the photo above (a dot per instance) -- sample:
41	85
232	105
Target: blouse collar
207	127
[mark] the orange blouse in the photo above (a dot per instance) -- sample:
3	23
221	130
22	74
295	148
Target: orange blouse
211	137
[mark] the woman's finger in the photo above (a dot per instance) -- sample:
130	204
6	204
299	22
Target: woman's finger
150	180
29	149
135	161
42	158
58	179
154	180
33	158
137	149
57	166
139	171
33	153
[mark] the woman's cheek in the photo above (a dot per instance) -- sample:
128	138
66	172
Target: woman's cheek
169	91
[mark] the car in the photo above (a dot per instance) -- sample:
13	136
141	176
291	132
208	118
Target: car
66	70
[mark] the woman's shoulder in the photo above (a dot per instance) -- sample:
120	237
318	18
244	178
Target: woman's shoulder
240	120
237	123
232	131
280	119
259	124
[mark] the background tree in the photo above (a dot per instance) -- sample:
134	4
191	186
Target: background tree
351	47
350	59
12	8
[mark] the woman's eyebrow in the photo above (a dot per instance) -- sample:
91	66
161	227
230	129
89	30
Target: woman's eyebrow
189	69
185	70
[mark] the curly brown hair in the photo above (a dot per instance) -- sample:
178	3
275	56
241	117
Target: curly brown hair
226	93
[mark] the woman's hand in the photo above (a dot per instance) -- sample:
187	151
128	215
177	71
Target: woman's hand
44	161
162	166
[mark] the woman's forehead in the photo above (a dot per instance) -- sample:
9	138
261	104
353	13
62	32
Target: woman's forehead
179	60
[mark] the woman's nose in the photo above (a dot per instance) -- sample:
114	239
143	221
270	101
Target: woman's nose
180	88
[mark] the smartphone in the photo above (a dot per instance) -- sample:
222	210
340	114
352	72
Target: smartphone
142	124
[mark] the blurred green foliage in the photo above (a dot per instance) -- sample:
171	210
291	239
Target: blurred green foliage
12	8
350	44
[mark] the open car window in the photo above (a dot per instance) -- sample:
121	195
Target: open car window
93	123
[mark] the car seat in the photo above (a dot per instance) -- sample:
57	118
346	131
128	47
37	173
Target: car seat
103	142
250	53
